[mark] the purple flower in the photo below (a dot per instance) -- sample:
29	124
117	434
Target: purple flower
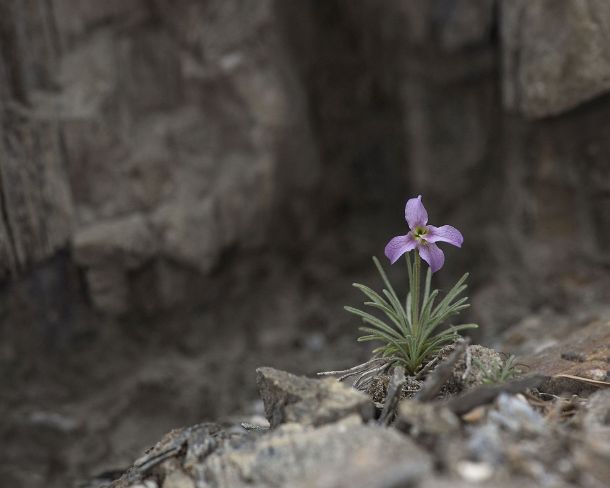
423	237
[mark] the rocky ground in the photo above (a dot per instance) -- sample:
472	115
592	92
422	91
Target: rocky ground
458	424
81	419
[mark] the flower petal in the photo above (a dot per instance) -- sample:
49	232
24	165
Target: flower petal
432	254
415	213
398	246
445	233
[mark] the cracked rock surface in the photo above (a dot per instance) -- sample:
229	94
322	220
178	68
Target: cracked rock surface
324	434
347	452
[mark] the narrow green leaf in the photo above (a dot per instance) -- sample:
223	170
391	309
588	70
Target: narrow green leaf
368	338
389	313
384	277
408	312
395	329
374	321
385	336
399	311
373	295
458	288
427	307
397	346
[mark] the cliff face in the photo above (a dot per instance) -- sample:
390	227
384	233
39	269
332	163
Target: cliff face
151	138
215	173
136	131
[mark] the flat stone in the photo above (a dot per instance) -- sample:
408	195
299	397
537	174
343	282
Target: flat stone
290	398
591	344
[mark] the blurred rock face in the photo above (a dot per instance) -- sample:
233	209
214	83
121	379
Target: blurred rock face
555	56
162	129
151	137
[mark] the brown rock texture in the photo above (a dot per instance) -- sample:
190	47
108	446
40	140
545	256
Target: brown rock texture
187	188
578	362
205	127
173	129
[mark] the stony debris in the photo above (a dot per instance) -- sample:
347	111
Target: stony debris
484	445
322	434
344	453
290	398
513	413
192	444
519	437
476	397
593	456
596	419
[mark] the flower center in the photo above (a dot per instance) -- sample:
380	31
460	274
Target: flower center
419	233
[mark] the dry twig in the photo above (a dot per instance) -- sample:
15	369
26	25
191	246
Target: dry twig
441	374
393	395
487	393
365	371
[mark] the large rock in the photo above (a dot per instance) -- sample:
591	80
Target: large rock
345	453
191	121
546	73
342	454
205	114
290	398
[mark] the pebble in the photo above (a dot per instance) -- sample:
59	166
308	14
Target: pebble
474	472
515	414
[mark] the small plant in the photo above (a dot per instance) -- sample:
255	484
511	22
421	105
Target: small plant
499	373
409	330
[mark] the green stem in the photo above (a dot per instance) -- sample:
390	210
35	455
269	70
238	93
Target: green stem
410	276
415	293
